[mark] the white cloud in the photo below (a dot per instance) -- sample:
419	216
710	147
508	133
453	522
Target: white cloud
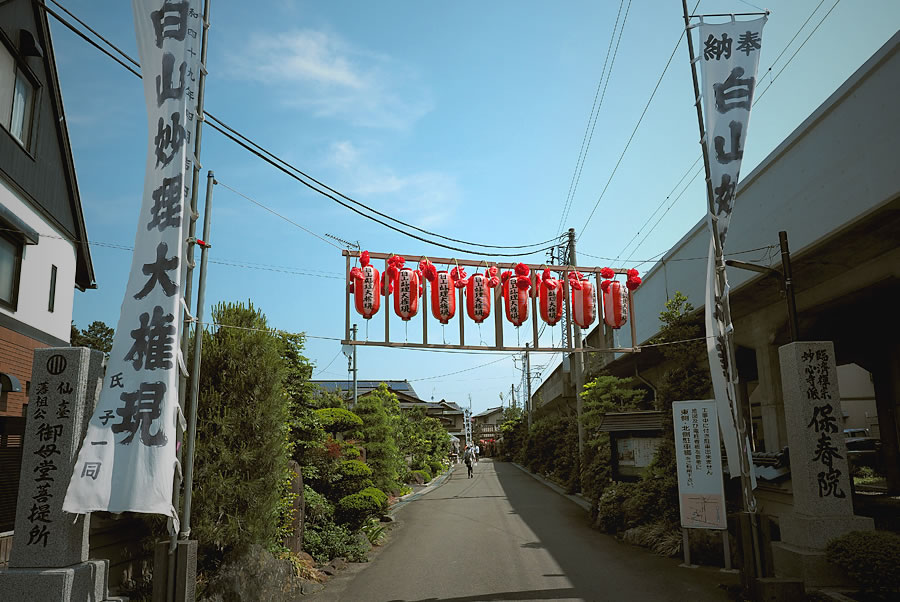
322	73
426	199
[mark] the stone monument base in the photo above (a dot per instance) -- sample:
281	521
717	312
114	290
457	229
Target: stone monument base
82	581
801	551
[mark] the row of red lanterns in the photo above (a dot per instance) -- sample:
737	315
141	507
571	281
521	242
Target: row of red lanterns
407	285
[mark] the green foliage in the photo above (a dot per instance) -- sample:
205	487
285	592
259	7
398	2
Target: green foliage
602	395
374	531
870	558
380	414
424	473
355	509
514	432
662	537
97	336
338	420
243	446
551	449
330	541
319	510
350	476
423	440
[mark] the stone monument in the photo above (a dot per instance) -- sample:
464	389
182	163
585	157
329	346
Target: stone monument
49	560
820	475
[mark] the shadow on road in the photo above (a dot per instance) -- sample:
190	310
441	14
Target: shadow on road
596	565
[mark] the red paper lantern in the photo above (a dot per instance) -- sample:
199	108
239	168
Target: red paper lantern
615	304
478	298
406	293
551	299
443	297
515	300
366	288
584	307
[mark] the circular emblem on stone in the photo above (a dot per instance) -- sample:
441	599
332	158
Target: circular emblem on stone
56	364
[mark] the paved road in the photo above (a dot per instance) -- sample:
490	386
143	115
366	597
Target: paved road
502	535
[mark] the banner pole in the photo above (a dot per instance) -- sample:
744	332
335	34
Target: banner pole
748	499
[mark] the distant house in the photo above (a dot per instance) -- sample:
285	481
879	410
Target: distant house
44	254
486	425
448	412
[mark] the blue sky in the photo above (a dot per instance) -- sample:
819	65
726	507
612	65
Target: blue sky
465	118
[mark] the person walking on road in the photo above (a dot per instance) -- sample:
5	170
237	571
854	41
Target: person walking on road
477	453
469	458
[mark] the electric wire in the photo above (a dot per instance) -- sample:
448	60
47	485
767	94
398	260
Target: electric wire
579	162
772	81
273	212
412	380
329	364
637	125
273	157
757	98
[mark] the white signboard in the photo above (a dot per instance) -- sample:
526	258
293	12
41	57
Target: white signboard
127	460
728	65
701	491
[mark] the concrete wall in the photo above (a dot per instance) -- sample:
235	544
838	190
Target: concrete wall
838	166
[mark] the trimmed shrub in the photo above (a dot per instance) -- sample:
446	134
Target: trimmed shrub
331	541
424	473
870	558
351	476
435	467
338	420
355	509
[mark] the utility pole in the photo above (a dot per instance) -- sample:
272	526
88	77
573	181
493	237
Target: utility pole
512	395
576	343
353	330
528	381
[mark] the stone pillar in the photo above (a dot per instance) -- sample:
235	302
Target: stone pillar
49	559
820	475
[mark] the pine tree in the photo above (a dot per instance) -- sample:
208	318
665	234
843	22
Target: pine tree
380	413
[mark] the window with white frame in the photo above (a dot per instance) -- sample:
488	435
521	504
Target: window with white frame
17	93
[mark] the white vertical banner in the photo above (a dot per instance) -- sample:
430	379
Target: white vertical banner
728	62
127	460
701	490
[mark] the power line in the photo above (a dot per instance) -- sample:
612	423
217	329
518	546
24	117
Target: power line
459	371
272	211
755	100
637	125
284	166
585	143
227	262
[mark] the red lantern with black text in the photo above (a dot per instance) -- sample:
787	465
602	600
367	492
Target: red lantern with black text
615	304
584	306
443	297
366	288
406	293
515	300
478	298
551	299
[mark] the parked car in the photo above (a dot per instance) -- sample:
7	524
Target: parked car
862	449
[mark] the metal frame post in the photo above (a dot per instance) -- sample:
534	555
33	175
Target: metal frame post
749	500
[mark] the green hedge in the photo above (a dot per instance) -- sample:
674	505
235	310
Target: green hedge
870	558
424	473
355	509
338	420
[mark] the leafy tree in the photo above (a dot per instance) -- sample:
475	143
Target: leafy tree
243	446
422	440
380	412
97	336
